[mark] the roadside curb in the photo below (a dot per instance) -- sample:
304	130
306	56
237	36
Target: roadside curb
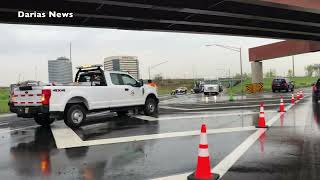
7	115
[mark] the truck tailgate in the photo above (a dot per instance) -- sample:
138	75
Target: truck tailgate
27	96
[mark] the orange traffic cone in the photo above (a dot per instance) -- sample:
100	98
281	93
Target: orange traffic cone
281	107
203	171
262	121
298	96
292	99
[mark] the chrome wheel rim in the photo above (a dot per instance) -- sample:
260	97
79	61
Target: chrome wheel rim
151	107
77	116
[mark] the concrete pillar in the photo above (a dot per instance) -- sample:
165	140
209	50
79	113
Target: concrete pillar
257	72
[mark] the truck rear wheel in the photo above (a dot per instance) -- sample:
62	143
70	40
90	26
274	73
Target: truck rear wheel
75	115
150	107
43	119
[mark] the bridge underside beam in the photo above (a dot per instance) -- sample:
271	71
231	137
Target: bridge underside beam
232	17
282	49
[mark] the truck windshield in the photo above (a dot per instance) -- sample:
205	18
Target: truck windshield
211	82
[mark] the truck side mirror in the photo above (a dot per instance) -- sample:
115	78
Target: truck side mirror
141	82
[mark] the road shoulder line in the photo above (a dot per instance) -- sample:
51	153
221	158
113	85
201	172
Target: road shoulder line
7	115
67	138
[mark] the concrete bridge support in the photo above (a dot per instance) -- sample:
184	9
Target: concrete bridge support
257	72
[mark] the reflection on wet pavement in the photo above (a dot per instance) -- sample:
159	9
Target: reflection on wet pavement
33	158
118	127
288	150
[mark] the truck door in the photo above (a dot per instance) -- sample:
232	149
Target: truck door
127	89
135	92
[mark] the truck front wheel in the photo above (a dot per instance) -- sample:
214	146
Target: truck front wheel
75	115
43	119
150	107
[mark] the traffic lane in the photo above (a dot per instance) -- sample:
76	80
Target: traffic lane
26	154
186	108
12	124
204	101
36	157
288	150
229	104
200	98
245	104
39	153
115	127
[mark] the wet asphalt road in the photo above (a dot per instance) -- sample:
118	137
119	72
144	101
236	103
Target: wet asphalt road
289	149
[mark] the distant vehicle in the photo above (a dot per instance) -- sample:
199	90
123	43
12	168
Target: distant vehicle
280	83
93	91
212	87
316	91
180	90
198	88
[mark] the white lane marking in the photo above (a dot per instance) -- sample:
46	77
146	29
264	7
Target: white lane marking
67	138
226	107
7	115
10	130
64	136
149	118
230	159
3	124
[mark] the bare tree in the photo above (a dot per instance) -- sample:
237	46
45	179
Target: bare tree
316	69
271	73
290	73
309	70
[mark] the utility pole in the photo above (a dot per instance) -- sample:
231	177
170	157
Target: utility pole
19	77
151	67
194	79
241	73
35	73
293	74
230	80
70	50
236	49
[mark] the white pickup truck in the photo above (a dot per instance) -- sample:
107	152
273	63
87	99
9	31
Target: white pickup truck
93	91
212	87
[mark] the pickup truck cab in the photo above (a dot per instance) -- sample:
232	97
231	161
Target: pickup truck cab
212	87
93	91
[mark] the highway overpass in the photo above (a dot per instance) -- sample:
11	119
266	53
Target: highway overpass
284	19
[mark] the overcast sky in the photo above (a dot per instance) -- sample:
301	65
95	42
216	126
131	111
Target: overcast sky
26	49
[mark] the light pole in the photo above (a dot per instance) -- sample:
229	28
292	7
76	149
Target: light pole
236	49
151	67
293	66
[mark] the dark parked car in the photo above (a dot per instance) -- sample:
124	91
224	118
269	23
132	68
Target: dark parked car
279	84
316	91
